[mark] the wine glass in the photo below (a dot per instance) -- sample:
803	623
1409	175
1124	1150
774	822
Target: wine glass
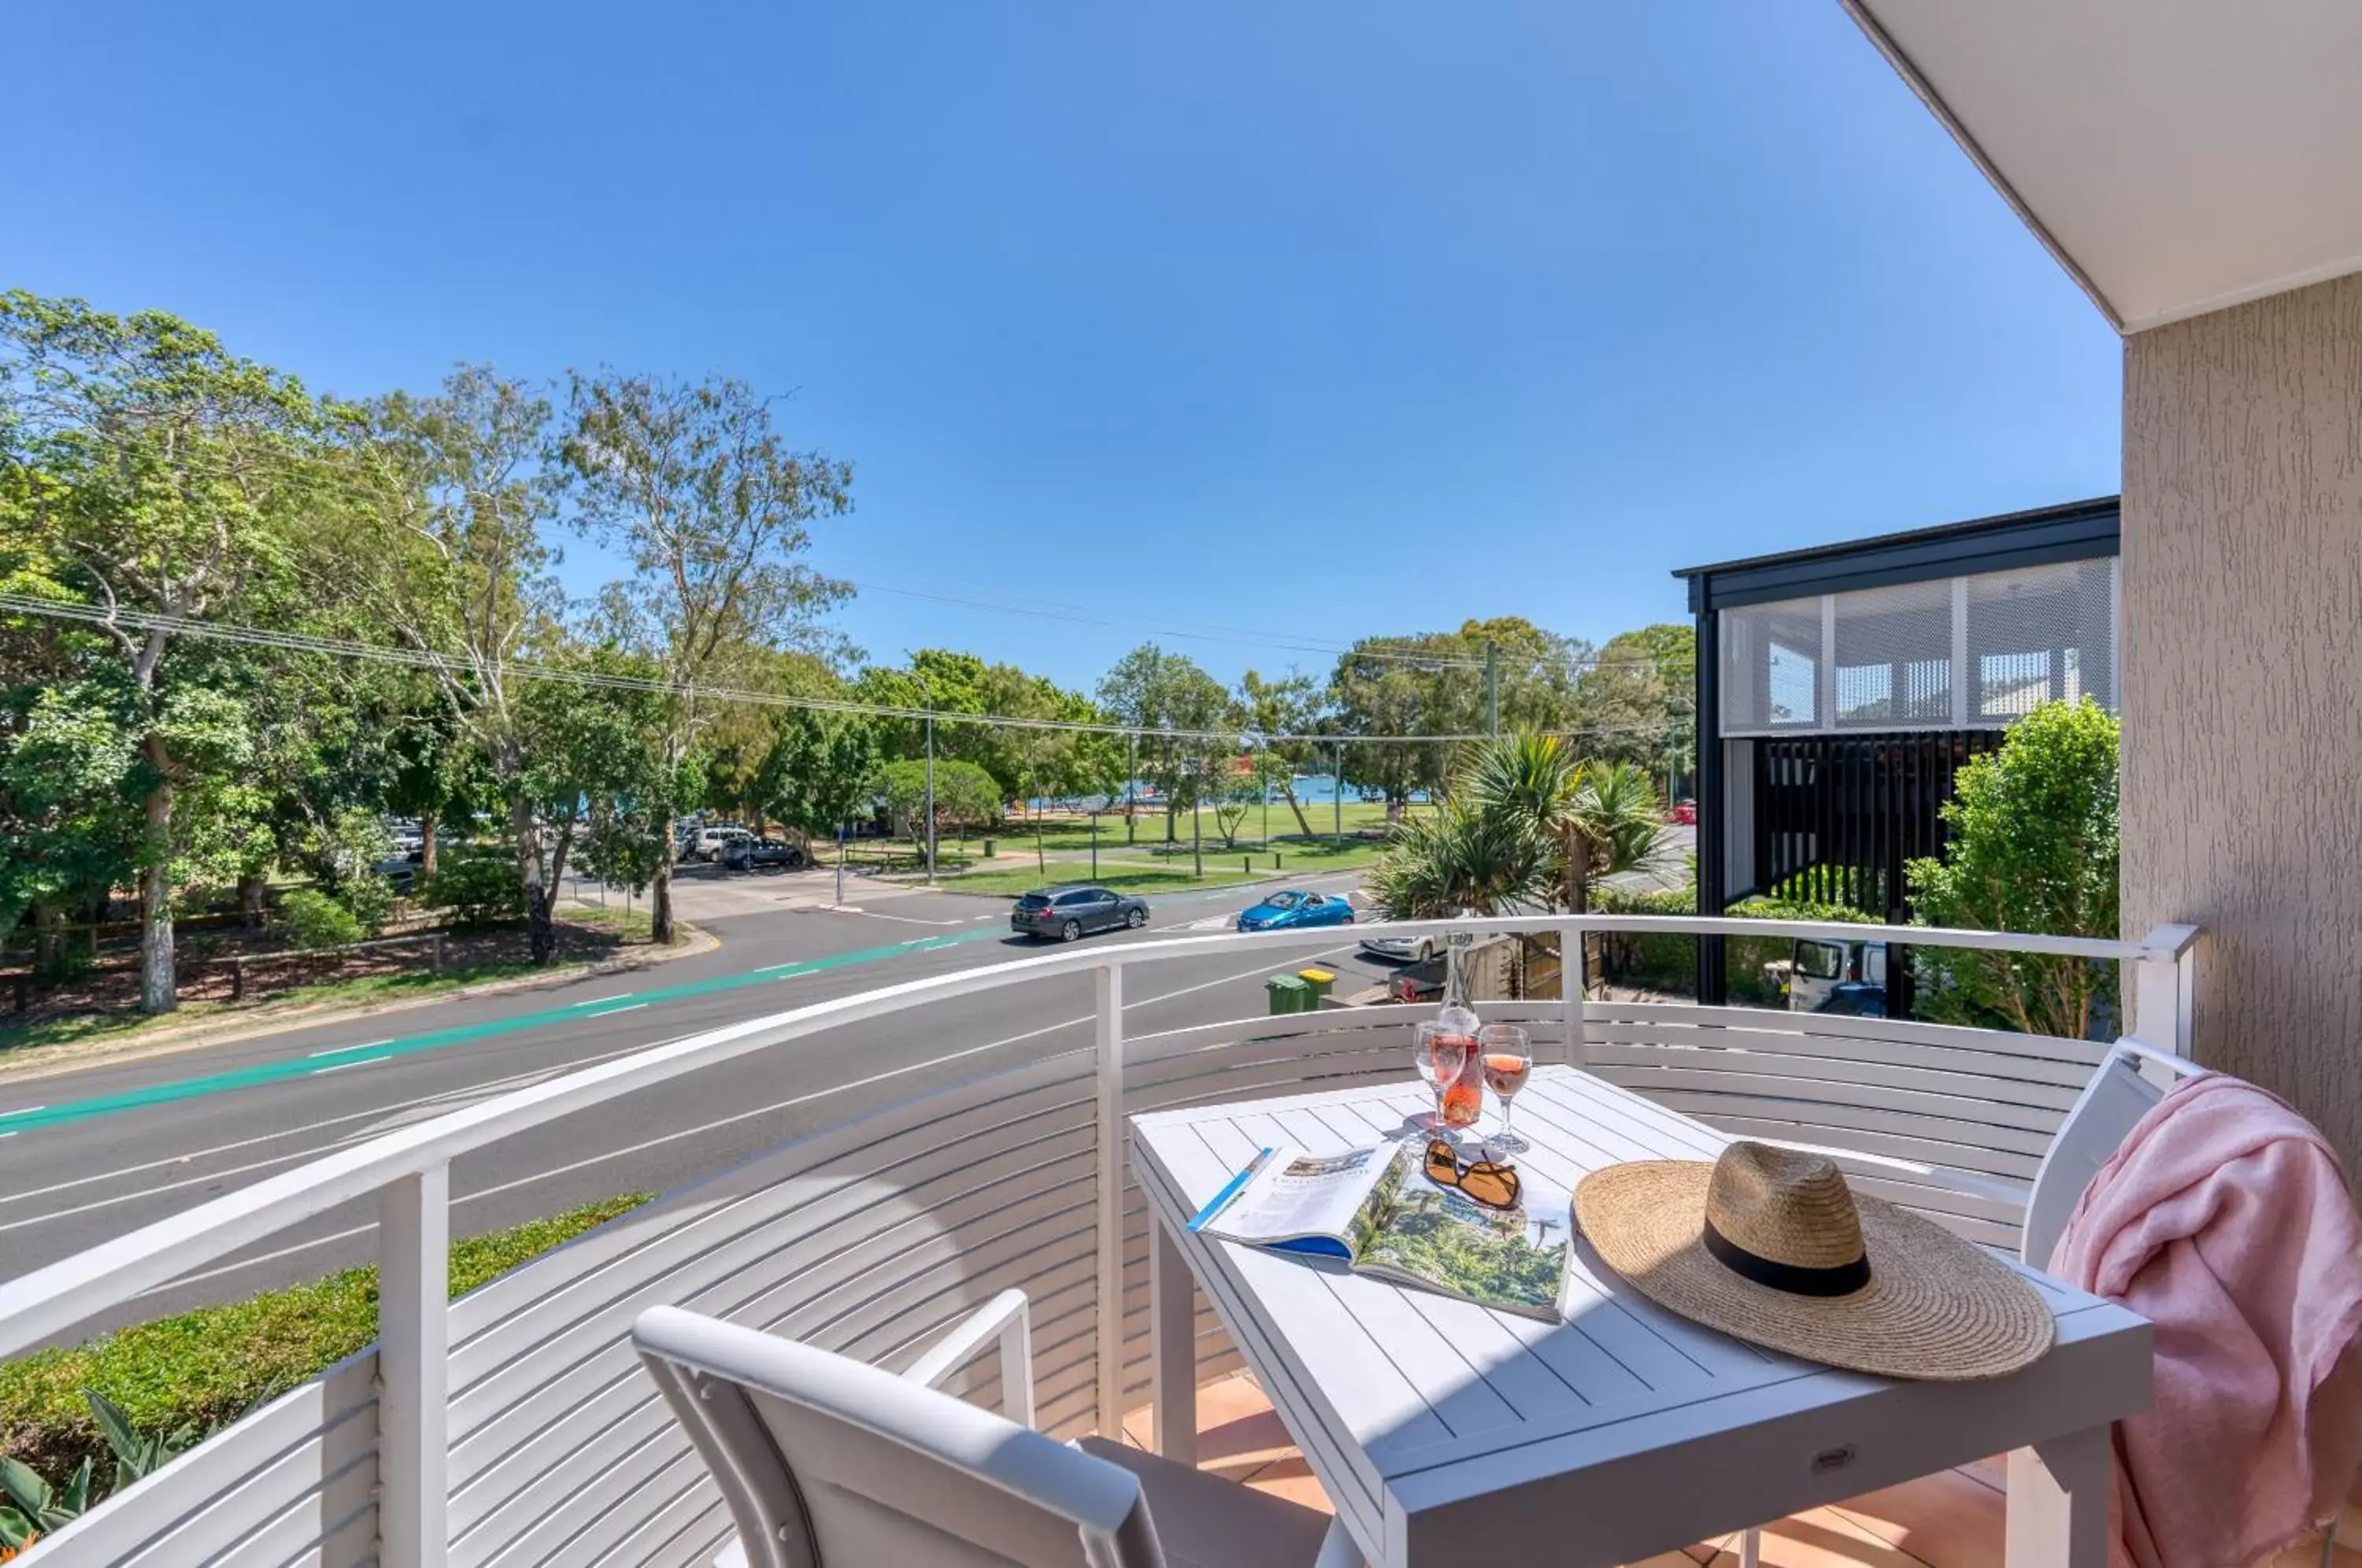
1508	1060
1441	1053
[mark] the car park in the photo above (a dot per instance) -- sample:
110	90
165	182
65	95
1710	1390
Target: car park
1074	909
1294	909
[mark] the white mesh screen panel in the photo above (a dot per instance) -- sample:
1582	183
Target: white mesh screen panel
2040	633
1894	657
2022	637
1772	667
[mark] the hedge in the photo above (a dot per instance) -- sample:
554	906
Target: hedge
1668	963
210	1365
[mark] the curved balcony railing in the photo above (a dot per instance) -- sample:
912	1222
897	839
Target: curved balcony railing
515	1427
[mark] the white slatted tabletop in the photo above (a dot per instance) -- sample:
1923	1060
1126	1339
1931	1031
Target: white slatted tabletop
1443	1431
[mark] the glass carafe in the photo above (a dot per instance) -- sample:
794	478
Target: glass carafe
1463	1102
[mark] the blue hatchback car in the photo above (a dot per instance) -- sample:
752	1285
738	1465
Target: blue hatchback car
1294	909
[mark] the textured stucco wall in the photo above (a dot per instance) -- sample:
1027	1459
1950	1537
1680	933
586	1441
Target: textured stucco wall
2243	681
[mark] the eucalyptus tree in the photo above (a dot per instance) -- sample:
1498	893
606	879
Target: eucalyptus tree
692	486
450	502
1149	688
1289	706
168	479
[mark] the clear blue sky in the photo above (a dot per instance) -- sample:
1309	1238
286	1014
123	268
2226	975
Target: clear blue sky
1313	319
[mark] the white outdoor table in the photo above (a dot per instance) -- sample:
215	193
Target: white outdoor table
1444	1431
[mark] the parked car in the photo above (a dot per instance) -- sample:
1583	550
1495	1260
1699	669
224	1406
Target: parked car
1295	909
710	842
400	868
1819	971
1069	911
1421	980
1409	949
752	853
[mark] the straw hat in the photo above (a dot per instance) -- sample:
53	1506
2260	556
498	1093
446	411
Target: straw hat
1772	1246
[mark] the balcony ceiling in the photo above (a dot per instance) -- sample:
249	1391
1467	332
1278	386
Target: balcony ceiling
2176	156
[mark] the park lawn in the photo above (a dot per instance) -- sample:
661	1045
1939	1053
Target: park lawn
1123	876
1070	834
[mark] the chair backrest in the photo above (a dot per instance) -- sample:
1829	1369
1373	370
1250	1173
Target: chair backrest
2124	1090
827	1463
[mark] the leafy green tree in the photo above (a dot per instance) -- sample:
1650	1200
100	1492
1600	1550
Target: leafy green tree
2031	846
1432	684
692	485
1637	701
818	771
966	796
1150	689
448	497
1291	705
165	476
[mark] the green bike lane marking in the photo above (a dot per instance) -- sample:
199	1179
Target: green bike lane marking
436	1038
95	1106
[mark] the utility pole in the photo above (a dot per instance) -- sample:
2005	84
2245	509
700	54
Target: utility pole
1492	687
927	695
1336	791
1198	822
1131	793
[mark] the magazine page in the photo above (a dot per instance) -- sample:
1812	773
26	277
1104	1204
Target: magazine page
1289	1198
1419	1233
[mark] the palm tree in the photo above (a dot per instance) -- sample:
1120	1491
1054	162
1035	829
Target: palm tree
1601	817
1461	860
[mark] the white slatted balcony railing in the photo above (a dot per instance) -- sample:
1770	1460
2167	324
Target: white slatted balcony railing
514	1425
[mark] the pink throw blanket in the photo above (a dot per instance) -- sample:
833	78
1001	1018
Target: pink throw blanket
2225	1220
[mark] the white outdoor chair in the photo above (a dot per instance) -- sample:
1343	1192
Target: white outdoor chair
827	1463
2126	1085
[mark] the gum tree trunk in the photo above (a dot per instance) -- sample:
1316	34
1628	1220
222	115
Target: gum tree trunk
159	981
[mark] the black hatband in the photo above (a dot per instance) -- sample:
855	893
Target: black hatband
1843	1279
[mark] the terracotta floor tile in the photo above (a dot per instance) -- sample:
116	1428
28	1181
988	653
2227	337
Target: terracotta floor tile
1992	1472
1665	1559
1949	1520
1820	1537
1291	1480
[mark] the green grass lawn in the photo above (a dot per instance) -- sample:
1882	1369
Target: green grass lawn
1067	835
1124	877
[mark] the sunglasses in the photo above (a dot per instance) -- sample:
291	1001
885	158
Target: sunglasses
1488	1182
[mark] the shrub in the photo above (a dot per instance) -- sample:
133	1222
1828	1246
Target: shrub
314	920
369	899
207	1367
2032	848
1668	963
477	890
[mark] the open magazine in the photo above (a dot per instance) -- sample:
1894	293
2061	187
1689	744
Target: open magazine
1377	1210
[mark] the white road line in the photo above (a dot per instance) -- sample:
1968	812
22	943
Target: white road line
906	920
340	1067
602	1001
612	1011
725	1121
340	1050
473	1091
21	1111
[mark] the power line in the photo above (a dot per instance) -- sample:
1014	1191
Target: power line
1393	649
525	669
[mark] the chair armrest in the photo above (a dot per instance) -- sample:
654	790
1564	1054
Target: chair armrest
1007	1318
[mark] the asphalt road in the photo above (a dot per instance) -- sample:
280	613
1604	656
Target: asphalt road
89	1155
